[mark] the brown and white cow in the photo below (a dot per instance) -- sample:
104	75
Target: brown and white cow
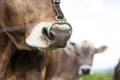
117	72
31	33
77	60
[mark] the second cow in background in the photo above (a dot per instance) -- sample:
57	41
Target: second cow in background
117	72
77	60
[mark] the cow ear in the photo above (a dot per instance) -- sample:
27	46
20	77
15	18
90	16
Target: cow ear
101	49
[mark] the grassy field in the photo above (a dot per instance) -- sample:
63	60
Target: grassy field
98	76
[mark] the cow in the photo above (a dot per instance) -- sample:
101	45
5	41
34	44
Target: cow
32	33
77	60
117	72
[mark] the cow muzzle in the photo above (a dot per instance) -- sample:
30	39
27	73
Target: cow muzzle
49	35
84	70
58	34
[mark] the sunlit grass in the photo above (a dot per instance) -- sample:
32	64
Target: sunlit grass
98	76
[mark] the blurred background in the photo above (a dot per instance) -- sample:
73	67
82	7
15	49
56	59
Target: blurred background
99	22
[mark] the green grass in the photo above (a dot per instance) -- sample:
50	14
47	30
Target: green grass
98	76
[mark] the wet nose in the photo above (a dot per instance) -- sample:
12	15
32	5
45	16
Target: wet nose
58	35
86	71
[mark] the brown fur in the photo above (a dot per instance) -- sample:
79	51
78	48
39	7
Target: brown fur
68	66
30	65
20	13
6	50
117	72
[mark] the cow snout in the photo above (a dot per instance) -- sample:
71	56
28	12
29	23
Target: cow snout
85	71
49	35
58	34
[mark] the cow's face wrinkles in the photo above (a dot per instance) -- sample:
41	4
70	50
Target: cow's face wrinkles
23	12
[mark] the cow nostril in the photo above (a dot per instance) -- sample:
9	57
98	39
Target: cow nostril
48	36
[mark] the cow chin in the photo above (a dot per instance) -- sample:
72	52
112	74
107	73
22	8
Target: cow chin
38	39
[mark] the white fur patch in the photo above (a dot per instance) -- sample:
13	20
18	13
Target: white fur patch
36	38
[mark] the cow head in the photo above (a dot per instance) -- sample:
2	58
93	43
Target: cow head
85	53
42	28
